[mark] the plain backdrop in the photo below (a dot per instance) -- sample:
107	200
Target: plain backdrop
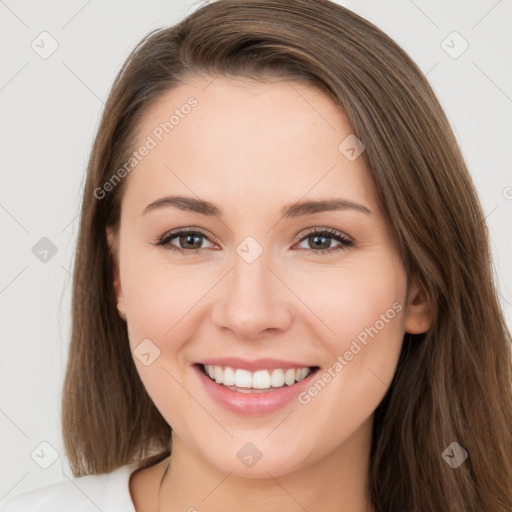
50	109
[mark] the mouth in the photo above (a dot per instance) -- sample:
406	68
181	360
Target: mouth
256	387
268	380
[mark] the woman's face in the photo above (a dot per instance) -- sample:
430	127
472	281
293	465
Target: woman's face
259	295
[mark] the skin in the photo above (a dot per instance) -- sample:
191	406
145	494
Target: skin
251	148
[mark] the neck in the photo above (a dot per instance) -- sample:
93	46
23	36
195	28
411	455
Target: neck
337	482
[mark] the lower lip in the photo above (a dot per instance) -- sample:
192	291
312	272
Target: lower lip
252	403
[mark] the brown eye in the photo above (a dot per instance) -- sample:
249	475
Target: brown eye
320	241
188	242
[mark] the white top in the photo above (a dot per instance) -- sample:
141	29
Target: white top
108	492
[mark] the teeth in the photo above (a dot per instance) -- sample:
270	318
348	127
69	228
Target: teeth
243	378
262	379
289	376
228	379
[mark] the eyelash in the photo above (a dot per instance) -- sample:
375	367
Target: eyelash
331	233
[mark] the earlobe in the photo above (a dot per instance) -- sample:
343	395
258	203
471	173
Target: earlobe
418	316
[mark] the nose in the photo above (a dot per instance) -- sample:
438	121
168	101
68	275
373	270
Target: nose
253	300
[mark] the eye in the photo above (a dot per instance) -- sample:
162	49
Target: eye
321	240
189	240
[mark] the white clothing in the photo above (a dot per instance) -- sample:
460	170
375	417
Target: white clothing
108	492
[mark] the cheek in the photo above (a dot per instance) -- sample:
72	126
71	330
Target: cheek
362	312
355	301
366	316
368	307
364	352
160	303
160	297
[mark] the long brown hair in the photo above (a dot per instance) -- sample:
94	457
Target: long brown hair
452	383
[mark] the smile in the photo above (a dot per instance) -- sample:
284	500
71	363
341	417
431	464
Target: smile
259	392
246	381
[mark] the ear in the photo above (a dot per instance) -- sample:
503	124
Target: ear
418	316
113	244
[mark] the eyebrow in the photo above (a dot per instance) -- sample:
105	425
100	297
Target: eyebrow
298	209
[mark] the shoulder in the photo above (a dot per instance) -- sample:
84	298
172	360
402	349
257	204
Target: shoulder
108	492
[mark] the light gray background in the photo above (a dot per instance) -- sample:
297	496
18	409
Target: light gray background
50	109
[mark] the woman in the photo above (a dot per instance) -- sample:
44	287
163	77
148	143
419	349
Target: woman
283	296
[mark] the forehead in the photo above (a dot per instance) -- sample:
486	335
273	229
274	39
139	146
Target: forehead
232	138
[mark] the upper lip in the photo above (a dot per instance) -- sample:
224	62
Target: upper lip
253	365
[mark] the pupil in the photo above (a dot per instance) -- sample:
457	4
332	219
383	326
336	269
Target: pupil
314	237
191	237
